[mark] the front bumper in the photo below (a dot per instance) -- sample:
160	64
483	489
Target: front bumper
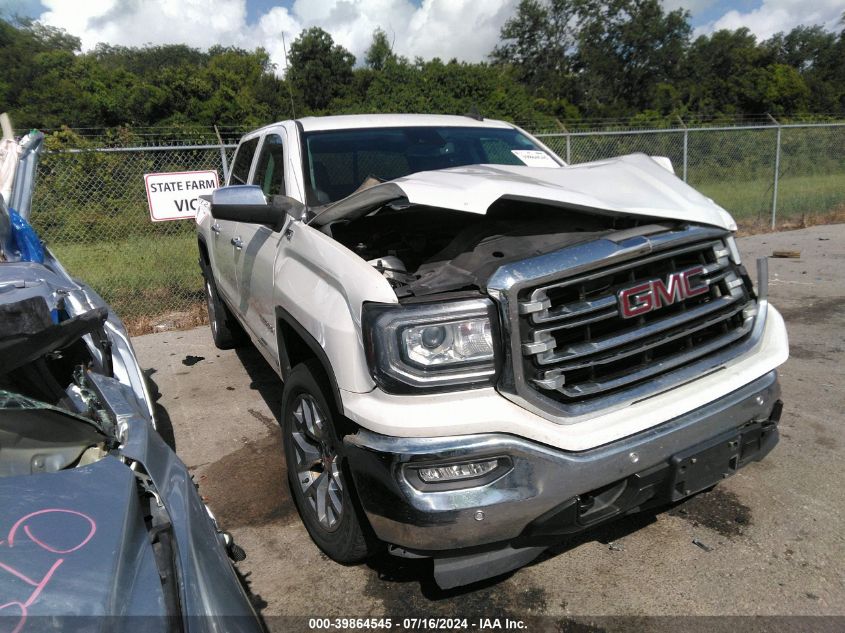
549	492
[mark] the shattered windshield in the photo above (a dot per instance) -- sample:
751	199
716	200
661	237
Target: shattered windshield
337	162
13	404
11	401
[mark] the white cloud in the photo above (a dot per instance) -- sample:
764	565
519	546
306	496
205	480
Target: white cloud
138	22
268	33
465	29
774	16
352	22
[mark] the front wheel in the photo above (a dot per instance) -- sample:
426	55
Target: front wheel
321	488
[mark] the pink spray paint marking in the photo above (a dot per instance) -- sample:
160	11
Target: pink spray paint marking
38	585
22	520
21	616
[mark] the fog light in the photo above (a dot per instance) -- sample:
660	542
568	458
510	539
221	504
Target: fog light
457	472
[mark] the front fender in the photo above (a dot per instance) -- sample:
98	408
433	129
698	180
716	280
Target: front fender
322	286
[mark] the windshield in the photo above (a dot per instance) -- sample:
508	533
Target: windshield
337	162
11	402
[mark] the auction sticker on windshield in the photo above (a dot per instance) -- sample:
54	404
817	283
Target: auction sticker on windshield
173	196
534	158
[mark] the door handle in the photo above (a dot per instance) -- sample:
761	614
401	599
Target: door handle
237	243
215	228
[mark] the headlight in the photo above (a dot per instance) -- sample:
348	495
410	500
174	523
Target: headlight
456	342
431	346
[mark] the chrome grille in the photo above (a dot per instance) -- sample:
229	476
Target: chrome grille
576	346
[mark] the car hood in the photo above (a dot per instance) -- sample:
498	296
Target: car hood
74	543
635	184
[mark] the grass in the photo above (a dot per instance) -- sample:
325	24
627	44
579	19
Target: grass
141	277
153	281
750	201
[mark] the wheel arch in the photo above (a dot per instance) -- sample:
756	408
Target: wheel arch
204	259
296	345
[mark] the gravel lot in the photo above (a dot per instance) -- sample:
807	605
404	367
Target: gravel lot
776	531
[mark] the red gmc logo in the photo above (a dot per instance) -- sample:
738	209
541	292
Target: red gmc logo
655	294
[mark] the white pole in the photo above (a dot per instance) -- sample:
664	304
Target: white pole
777	174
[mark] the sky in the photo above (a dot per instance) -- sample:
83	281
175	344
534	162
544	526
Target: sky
465	29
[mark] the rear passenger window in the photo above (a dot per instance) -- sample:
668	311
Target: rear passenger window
243	159
270	171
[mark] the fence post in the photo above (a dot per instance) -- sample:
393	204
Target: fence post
686	145
225	163
568	144
777	172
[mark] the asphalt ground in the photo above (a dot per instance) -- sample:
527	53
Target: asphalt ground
770	540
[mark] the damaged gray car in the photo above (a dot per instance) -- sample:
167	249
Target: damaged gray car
101	527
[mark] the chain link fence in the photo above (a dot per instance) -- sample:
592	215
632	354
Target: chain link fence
763	175
90	205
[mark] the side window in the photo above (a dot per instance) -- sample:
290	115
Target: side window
270	171
243	159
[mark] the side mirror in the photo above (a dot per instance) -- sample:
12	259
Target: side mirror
247	203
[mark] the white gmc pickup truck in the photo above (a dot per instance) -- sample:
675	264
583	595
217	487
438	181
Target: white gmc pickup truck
483	348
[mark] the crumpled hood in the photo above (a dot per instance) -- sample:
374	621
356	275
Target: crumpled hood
74	543
23	280
634	184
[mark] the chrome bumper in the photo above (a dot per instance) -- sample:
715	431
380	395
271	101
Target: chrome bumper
541	481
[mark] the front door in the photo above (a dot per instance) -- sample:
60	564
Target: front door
260	246
225	245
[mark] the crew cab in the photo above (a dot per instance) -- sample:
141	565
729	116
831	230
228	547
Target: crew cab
485	349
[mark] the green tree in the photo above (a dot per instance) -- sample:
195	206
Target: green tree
231	77
626	49
320	70
805	48
719	71
730	73
539	44
380	51
812	52
27	49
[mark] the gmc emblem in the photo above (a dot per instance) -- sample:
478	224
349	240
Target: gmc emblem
655	294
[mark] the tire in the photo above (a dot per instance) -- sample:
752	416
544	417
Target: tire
319	481
225	331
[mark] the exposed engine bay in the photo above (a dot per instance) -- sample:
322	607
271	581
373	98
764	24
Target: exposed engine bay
424	251
50	415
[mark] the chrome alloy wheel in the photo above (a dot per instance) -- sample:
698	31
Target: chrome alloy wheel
317	468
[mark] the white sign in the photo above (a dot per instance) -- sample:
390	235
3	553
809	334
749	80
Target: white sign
173	196
534	157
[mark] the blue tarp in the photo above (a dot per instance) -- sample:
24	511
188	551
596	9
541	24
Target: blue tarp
26	239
